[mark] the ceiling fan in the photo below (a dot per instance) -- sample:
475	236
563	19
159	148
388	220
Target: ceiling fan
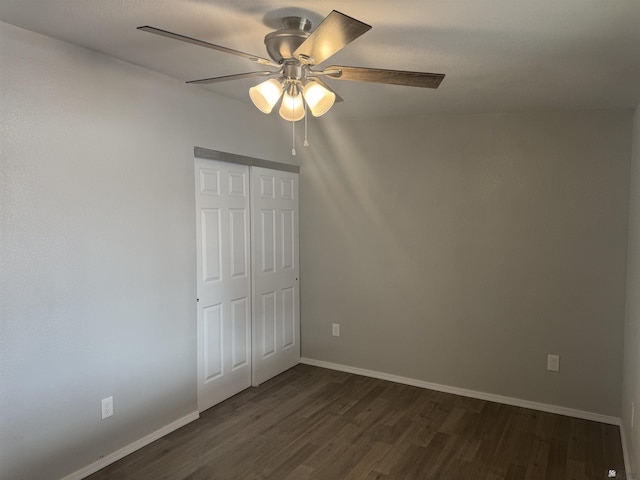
294	50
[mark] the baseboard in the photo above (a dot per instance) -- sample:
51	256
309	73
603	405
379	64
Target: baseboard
132	447
517	402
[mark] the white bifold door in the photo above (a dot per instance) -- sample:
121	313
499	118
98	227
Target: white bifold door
247	277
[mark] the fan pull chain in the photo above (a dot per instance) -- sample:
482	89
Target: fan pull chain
293	139
306	142
293	133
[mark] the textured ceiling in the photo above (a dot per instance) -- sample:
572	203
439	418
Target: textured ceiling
498	55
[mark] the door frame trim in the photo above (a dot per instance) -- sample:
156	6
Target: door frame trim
206	153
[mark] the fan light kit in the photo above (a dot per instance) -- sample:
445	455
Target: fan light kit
295	94
294	50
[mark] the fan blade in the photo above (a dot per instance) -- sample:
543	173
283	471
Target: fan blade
338	97
378	75
232	77
334	33
195	41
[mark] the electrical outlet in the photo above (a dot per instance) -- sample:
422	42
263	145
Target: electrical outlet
553	363
107	407
335	329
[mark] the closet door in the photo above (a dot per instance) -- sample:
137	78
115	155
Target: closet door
224	280
275	272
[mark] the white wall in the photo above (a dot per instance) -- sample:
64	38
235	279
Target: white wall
97	247
461	250
631	390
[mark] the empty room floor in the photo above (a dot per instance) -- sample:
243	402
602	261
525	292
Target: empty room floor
314	423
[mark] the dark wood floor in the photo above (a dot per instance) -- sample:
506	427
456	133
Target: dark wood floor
313	423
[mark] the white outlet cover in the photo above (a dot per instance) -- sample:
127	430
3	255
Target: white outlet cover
107	407
335	329
553	363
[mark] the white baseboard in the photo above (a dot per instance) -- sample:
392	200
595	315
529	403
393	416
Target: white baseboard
517	402
132	447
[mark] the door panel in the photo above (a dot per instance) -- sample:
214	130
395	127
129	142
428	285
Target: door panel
288	318
288	239
239	236
268	316
241	328
275	256
267	234
211	243
224	281
213	347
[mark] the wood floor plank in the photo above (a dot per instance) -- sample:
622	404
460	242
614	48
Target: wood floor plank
557	462
315	424
515	472
301	472
537	468
368	462
612	447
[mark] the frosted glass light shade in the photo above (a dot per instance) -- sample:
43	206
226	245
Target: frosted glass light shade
266	94
319	99
292	108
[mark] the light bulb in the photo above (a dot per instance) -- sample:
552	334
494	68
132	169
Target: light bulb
292	108
266	94
318	98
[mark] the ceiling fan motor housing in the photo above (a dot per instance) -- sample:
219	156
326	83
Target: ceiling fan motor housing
282	43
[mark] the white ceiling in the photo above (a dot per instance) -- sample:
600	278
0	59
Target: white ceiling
498	55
